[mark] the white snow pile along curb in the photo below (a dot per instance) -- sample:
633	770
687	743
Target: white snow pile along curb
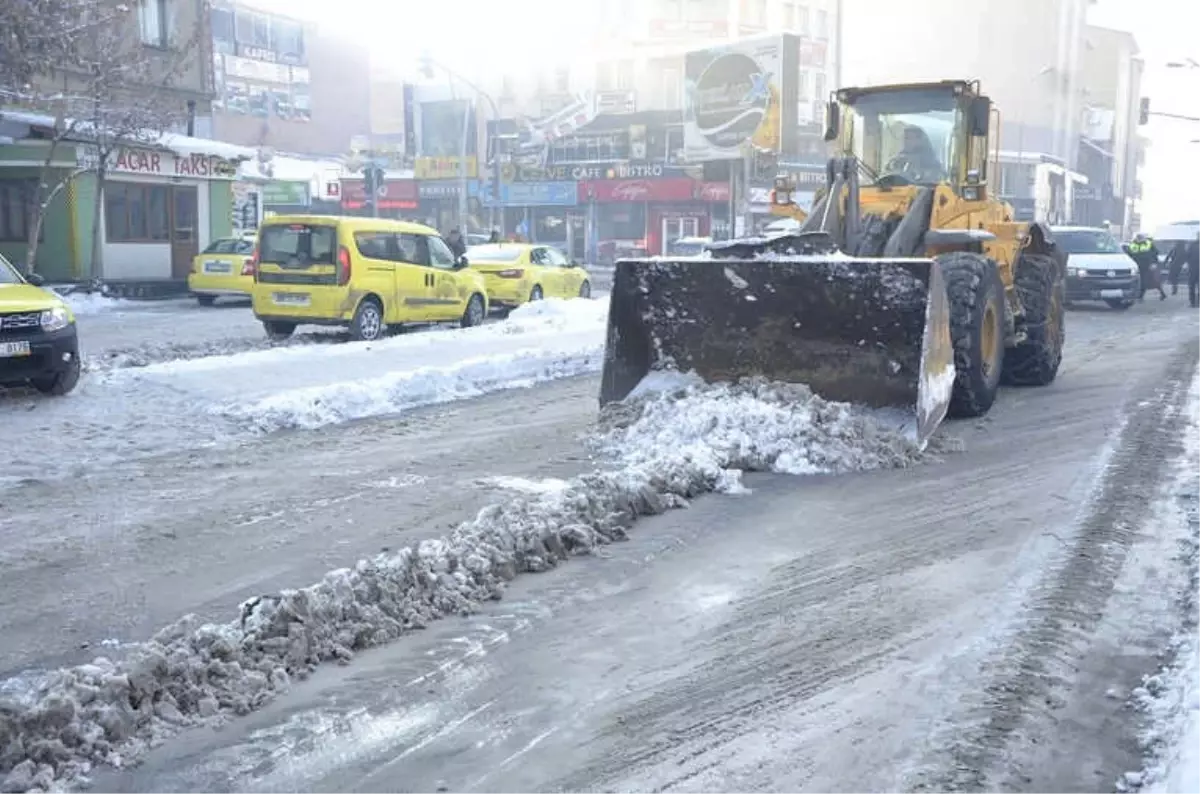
89	303
666	446
1169	701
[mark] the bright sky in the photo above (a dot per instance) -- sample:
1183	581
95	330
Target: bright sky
469	36
1166	30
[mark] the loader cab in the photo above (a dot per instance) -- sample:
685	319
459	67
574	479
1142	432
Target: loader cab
920	134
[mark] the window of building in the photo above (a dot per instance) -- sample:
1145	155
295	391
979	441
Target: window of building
135	213
822	23
222	24
789	15
287	38
152	22
562	80
802	23
15	202
819	85
802	85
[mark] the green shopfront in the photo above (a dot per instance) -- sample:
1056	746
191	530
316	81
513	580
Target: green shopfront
285	197
161	207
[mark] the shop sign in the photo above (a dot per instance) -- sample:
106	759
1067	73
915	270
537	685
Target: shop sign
394	194
155	163
443	168
278	193
534	194
712	191
564	173
624	190
445	189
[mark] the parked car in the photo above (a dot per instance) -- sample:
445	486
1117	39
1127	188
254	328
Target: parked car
1097	267
517	273
225	268
365	274
39	344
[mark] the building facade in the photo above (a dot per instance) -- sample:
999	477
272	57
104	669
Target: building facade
283	84
165	194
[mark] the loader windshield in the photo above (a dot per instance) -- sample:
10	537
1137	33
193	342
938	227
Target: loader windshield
906	136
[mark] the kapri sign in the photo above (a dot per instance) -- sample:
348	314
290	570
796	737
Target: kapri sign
153	163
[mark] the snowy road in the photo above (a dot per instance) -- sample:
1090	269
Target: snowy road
750	642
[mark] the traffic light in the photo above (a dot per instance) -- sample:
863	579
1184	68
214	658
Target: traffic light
1144	115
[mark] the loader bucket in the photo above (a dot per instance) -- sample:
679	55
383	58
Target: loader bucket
869	331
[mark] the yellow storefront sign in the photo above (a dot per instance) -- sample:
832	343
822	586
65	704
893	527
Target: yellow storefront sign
443	167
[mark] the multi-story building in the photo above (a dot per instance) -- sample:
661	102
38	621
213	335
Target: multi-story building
284	84
1028	56
1112	150
164	193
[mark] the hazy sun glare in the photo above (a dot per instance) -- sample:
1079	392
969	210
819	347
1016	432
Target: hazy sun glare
473	37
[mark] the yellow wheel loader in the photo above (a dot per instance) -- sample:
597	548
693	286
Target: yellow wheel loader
907	285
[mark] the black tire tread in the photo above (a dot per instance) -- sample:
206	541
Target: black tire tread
966	274
1035	361
60	383
355	327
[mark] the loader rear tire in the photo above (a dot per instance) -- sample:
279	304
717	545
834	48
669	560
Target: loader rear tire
976	298
1035	361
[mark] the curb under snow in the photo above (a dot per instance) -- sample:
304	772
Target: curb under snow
665	447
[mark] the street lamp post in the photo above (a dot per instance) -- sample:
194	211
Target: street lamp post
427	67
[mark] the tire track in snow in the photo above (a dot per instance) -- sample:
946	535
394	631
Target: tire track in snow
1070	604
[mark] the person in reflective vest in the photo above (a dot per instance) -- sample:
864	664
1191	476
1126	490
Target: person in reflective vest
1143	252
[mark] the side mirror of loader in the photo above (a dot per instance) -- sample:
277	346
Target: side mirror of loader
832	121
979	116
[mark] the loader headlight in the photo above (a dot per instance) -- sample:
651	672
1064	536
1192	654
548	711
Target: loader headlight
55	319
970	194
1079	272
781	196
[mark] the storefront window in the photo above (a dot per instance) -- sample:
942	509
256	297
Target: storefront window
14	210
136	213
622	222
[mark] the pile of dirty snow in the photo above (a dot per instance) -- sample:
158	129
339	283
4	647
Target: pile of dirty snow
673	440
159	352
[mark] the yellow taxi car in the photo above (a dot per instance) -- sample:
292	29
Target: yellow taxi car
39	345
225	268
365	274
517	273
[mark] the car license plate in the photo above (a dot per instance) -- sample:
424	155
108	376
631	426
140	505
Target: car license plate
217	266
1112	293
291	298
14	349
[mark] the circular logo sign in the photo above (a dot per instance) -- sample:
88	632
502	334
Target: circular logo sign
730	99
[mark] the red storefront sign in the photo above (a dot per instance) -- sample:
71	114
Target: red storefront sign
652	190
713	191
396	194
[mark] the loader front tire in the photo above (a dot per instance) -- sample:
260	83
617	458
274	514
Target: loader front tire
1035	361
976	298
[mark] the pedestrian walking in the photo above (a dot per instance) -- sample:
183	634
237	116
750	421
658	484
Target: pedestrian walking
1175	262
456	243
1143	252
1186	255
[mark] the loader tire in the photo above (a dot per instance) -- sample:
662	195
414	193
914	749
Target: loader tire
976	298
1035	361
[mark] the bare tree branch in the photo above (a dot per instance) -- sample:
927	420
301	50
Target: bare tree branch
83	64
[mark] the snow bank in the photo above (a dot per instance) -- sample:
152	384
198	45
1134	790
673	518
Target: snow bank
542	341
318	406
1170	700
673	442
85	303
